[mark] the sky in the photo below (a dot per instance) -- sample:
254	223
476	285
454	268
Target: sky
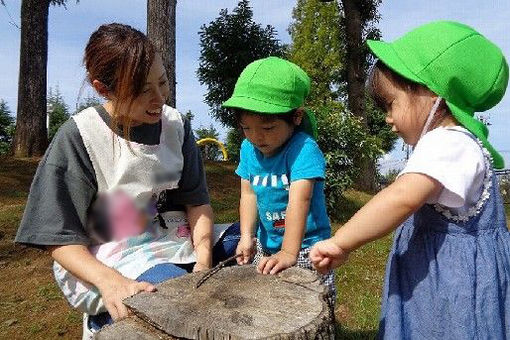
70	28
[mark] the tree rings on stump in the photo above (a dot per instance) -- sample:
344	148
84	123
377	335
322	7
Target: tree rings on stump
236	303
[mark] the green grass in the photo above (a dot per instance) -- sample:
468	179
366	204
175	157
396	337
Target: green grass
30	297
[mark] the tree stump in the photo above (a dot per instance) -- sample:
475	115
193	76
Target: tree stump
235	303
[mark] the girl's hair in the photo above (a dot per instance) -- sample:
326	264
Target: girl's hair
377	89
120	57
288	117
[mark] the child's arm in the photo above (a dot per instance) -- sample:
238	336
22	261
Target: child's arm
381	215
248	220
200	218
300	195
111	284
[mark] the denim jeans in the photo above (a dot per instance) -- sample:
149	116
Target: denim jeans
224	248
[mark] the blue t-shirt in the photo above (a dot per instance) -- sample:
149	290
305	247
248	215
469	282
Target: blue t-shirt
270	178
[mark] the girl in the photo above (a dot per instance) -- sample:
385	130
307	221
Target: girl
448	274
134	143
281	168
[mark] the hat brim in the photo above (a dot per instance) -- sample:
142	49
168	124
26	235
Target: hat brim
477	128
309	124
386	54
255	105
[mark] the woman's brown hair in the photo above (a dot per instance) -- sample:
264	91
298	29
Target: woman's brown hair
120	57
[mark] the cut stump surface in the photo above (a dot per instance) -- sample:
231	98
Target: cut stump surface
238	303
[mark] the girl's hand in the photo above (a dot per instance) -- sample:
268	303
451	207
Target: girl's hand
246	247
116	288
326	255
198	267
276	263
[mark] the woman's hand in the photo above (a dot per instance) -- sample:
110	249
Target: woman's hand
115	289
276	263
199	267
326	255
245	247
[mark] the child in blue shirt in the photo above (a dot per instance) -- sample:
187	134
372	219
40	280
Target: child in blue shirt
281	168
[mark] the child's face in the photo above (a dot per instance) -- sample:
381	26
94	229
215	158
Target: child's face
147	107
267	135
406	110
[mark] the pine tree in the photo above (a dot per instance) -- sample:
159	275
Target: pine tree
318	47
228	44
58	112
6	127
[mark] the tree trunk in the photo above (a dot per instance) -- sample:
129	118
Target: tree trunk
161	31
356	82
31	137
235	303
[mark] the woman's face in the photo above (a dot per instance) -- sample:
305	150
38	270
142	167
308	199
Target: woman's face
147	107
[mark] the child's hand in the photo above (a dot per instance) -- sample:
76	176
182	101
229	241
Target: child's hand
276	263
117	288
245	246
326	255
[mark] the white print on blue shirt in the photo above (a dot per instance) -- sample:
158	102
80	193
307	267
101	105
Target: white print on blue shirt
271	177
275	180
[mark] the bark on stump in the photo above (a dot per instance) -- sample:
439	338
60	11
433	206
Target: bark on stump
235	303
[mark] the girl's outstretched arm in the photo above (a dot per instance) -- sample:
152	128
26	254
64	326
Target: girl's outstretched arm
381	215
201	219
248	220
111	284
300	195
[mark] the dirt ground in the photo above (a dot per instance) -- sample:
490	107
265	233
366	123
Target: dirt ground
31	304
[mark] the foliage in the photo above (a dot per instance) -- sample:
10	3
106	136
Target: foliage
7	126
377	126
58	112
210	152
228	44
189	116
504	187
345	143
318	47
87	102
234	139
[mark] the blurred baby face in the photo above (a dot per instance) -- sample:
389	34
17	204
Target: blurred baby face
114	217
125	218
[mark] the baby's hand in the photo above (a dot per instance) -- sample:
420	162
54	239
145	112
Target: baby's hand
245	246
276	263
326	255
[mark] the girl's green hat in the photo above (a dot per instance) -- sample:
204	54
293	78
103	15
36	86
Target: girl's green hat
455	62
273	86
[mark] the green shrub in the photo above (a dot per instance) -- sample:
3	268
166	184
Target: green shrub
345	144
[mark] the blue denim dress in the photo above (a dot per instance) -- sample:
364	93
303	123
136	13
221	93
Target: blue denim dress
447	276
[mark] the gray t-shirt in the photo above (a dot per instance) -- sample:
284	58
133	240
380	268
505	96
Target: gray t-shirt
65	185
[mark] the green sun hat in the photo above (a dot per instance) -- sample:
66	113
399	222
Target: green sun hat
273	86
455	62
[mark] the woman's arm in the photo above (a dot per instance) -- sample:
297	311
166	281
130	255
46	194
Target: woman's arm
381	215
201	219
111	284
248	219
300	195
